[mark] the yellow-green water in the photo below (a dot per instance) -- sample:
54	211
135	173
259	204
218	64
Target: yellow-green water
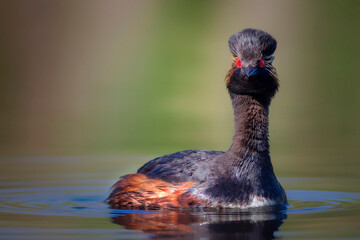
62	198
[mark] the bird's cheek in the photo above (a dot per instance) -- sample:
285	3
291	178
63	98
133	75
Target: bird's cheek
239	75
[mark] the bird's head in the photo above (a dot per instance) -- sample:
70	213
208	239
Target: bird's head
252	72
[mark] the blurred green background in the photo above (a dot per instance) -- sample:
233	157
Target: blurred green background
147	78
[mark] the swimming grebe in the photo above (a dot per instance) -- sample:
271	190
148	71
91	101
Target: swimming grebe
242	176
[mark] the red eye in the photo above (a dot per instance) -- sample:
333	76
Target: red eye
262	63
238	63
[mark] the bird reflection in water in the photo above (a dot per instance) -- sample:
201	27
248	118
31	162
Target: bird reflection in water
259	223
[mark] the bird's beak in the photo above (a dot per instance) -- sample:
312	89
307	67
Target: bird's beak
250	71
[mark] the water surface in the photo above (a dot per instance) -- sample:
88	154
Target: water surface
62	198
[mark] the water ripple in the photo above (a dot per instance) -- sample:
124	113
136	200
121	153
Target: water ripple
85	199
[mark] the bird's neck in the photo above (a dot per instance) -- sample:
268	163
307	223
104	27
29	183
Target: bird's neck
251	132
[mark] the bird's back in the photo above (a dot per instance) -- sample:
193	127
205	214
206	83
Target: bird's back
184	166
161	182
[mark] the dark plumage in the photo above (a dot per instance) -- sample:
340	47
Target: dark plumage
185	166
242	176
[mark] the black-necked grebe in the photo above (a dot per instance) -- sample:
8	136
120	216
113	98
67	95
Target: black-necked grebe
242	176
